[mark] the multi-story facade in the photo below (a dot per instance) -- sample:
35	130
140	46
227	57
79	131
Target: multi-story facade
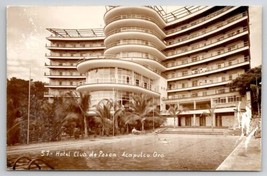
186	57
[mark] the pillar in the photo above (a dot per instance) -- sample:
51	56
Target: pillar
194	120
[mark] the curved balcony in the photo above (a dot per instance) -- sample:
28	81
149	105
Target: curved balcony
210	30
205	71
116	86
132	42
84	66
207	85
128	48
146	61
127	38
115	14
136	29
213	56
219	41
76	47
202	21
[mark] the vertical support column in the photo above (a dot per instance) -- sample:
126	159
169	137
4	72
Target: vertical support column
213	116
194	120
141	83
116	75
211	103
195	105
133	79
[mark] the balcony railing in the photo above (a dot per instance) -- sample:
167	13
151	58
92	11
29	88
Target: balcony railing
106	81
61	65
74	56
131	16
209	55
139	56
76	33
131	60
202	84
206	70
178	13
209	43
198	94
143	43
74	84
133	29
207	30
64	75
66	46
200	20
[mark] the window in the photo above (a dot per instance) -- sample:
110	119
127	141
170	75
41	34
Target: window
184	61
194	83
234	98
71	83
137	82
204	93
223	100
184	85
220	91
194	59
194	95
184	73
194	71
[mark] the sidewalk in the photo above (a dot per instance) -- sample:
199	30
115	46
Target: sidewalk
242	159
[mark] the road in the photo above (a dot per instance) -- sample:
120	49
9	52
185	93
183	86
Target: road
134	152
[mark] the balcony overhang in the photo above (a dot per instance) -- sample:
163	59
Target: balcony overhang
116	86
96	63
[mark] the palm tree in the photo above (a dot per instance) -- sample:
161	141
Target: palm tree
79	104
175	110
118	112
211	113
103	111
141	106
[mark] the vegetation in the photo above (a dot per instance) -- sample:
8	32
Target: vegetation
67	115
17	108
250	81
174	111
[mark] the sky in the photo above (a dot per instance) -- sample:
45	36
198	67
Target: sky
26	34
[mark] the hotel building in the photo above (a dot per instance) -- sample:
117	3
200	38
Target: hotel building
186	57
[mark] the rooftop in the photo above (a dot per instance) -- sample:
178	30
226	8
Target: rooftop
76	33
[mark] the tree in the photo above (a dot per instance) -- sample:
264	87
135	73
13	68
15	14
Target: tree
76	105
52	115
118	112
249	81
103	111
17	103
211	113
141	107
175	110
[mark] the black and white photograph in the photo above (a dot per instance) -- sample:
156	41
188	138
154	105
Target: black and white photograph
134	88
